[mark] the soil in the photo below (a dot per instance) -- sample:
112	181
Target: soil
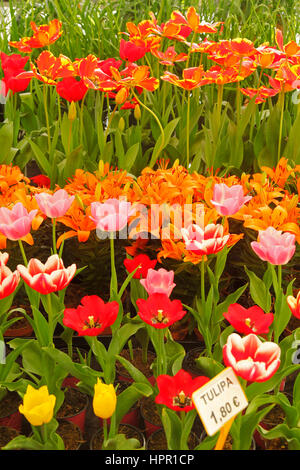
272	419
22	324
158	441
137	361
6	435
9	404
189	363
149	411
129	431
70	434
74	402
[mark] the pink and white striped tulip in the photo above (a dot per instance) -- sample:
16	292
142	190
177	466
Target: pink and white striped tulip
8	280
229	200
54	205
274	246
159	282
49	277
205	241
16	223
250	358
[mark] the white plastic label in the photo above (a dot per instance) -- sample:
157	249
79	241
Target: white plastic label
219	400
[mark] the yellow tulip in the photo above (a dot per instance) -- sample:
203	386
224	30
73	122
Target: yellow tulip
105	400
38	405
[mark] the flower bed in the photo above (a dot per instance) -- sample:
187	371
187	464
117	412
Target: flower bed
160	247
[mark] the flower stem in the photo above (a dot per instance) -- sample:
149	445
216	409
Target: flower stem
23	252
47	116
188	131
50	317
158	122
54	235
280	124
113	281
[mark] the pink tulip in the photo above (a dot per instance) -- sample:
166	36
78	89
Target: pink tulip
159	282
229	200
250	358
8	280
56	204
274	246
49	277
16	223
205	241
111	215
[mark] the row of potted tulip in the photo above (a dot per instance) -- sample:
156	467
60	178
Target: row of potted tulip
253	359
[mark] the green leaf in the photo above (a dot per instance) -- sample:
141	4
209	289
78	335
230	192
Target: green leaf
172	427
259	291
168	131
129	397
40	157
6	142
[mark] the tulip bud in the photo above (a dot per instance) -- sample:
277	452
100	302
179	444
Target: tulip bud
121	124
72	112
38	405
121	96
105	400
137	112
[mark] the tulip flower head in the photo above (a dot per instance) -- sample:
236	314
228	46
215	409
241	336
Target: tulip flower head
159	282
92	316
274	246
142	262
176	392
38	405
16	223
250	358
12	65
8	280
251	320
294	304
229	200
204	241
54	205
105	400
159	311
111	215
49	277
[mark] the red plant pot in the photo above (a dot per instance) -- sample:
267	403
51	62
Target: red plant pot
77	418
14	420
149	425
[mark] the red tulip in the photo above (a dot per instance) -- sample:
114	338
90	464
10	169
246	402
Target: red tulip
251	320
159	311
71	89
176	392
92	316
12	66
130	52
250	358
144	263
49	277
42	181
8	280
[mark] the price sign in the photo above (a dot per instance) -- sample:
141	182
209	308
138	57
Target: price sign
219	400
